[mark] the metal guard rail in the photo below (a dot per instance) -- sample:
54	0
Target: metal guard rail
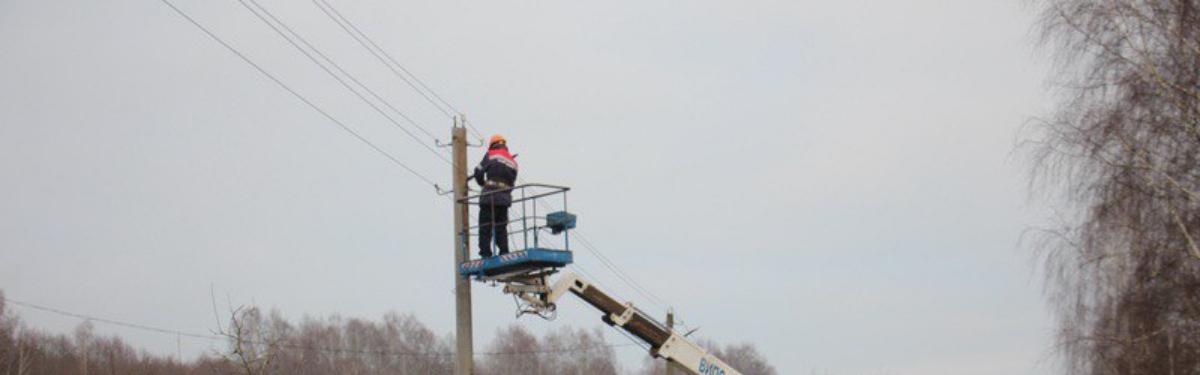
525	199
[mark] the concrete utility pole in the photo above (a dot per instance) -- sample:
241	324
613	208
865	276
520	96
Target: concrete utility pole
465	358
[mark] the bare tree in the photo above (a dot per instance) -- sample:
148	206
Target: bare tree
112	356
1123	149
405	333
253	345
84	334
744	357
517	352
571	351
399	344
7	344
24	361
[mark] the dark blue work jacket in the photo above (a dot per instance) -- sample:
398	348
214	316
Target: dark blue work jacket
497	173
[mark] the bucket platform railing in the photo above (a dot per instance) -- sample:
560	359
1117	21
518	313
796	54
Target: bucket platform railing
525	274
538	235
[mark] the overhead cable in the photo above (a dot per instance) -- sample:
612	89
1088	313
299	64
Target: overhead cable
654	298
109	321
212	337
370	45
387	60
314	60
616	270
303	99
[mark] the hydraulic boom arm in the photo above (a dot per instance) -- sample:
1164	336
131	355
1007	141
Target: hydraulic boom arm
663	342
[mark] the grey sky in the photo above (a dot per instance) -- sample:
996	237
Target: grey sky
830	180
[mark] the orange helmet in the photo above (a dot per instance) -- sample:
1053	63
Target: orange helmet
497	139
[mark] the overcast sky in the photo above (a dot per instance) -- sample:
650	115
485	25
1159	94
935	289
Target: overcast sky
833	181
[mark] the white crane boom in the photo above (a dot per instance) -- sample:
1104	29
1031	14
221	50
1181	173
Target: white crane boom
526	274
664	342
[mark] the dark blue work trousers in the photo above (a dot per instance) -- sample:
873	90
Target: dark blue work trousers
493	226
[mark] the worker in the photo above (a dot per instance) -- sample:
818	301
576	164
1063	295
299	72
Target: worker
496	173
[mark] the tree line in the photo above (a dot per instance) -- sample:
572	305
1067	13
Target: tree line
261	343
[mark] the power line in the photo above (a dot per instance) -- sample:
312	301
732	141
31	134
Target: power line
212	337
344	72
637	287
110	321
283	85
596	281
654	298
605	261
334	75
384	57
633	341
371	47
612	267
